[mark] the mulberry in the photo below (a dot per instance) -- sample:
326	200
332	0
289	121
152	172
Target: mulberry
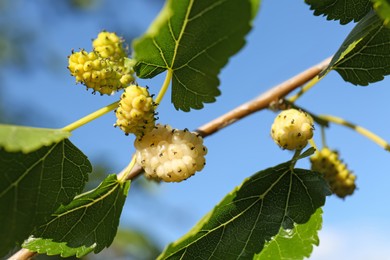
169	154
109	46
135	113
336	173
292	129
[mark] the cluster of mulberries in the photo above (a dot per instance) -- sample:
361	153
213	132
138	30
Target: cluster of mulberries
292	129
170	155
340	179
105	69
135	113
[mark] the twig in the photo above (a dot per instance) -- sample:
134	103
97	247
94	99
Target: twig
248	108
22	254
261	102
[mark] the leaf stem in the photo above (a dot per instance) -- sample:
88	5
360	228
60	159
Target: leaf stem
363	131
123	175
90	117
164	86
305	88
295	158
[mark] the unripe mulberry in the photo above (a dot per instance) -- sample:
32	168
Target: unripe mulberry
336	173
100	74
109	46
135	113
292	129
169	154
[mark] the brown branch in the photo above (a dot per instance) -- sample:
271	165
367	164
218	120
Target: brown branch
22	254
261	102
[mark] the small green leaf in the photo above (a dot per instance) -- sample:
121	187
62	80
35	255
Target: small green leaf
343	10
194	40
382	9
252	214
34	185
364	57
295	243
91	219
28	139
48	247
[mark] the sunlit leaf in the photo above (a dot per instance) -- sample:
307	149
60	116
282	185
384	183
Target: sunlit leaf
382	9
249	216
90	220
34	185
296	243
27	139
343	10
364	57
194	39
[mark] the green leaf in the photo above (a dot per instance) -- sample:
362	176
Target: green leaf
364	57
90	220
194	40
295	243
28	139
48	247
382	9
34	185
252	214
343	10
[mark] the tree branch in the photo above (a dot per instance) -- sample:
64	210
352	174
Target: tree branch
22	254
261	102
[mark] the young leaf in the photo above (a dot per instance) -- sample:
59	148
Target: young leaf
250	215
48	247
295	243
364	57
194	40
34	185
90	220
28	139
343	10
382	9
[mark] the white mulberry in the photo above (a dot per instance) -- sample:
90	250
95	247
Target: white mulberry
292	129
170	155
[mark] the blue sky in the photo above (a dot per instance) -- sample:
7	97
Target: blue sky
285	40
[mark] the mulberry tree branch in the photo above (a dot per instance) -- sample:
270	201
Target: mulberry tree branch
261	102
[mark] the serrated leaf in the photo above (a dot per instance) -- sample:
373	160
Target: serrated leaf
28	139
382	9
194	39
364	57
296	243
252	214
91	219
48	247
34	185
343	10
